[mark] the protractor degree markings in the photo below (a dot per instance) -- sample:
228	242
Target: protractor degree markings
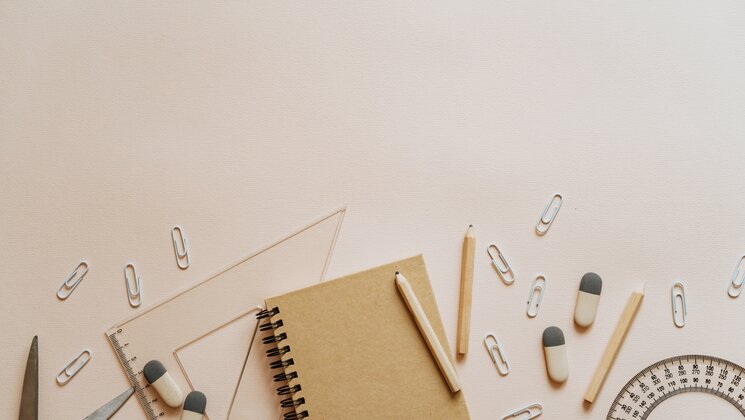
667	383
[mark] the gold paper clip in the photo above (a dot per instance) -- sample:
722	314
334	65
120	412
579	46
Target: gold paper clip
539	286
737	280
134	296
680	309
547	220
180	247
496	352
74	367
533	410
500	263
72	282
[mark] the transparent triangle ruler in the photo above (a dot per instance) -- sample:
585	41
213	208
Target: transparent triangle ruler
170	329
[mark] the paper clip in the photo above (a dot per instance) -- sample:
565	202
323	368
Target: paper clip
737	280
68	372
500	263
539	286
546	221
72	282
135	297
679	310
533	410
496	352
182	250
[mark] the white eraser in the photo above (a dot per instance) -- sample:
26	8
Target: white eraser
195	406
588	298
555	351
157	376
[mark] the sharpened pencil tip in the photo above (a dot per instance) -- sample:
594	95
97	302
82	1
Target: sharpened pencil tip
397	273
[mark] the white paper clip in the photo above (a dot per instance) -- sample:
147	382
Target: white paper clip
74	367
533	410
134	292
180	247
536	295
72	281
680	309
496	352
546	219
499	261
738	278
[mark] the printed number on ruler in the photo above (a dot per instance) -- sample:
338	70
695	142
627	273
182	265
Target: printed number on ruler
149	400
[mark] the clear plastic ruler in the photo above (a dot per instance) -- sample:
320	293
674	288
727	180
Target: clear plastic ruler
229	299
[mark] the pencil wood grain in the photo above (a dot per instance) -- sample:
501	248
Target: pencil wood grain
613	346
466	292
417	312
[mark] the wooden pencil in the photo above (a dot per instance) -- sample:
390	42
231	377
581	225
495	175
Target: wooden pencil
425	328
466	291
613	346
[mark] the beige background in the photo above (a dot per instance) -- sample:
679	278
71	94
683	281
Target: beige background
246	120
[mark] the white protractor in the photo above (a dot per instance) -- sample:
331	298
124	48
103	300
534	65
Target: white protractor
679	375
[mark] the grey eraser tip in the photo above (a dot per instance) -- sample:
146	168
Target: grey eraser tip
552	337
153	370
591	283
196	402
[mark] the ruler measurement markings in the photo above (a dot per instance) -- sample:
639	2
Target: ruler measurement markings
139	390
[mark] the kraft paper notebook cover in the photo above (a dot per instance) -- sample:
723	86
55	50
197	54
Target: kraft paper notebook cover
351	350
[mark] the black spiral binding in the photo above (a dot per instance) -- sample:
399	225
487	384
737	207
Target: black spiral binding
285	376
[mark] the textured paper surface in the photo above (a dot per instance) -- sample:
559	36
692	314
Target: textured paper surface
243	120
357	351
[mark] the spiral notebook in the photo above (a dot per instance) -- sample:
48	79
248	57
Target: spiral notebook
349	349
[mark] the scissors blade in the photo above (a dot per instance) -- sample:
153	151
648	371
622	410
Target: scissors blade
108	410
30	391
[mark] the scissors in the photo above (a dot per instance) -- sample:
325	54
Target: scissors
111	407
30	391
